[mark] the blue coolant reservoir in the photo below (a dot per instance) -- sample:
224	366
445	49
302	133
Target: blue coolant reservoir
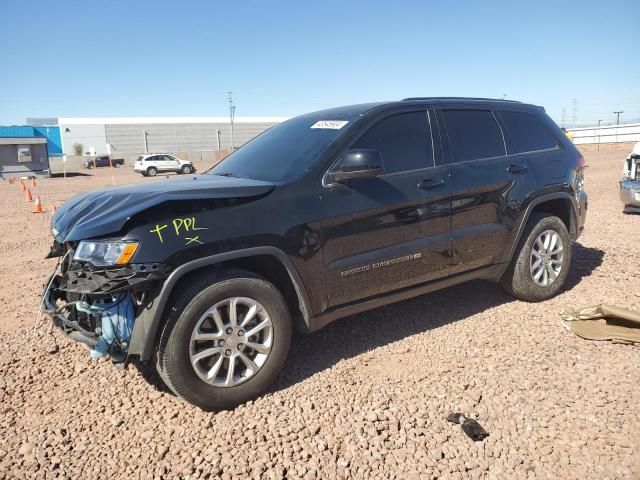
116	315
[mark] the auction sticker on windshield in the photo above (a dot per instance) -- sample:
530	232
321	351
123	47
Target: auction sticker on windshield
331	124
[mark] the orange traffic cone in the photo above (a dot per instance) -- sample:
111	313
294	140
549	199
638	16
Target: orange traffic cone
27	196
21	184
53	209
37	206
33	183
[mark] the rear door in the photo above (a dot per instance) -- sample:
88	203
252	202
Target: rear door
391	231
488	188
153	161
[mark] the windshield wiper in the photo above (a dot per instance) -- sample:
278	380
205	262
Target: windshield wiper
229	174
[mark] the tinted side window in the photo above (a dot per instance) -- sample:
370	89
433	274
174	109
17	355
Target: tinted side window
527	132
473	134
404	142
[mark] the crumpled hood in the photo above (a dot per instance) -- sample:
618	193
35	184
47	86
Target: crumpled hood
105	211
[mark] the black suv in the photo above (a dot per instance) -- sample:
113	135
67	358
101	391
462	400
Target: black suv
322	216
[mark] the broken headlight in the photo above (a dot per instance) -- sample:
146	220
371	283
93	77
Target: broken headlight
103	253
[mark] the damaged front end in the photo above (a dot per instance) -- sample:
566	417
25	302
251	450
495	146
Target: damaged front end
630	185
98	306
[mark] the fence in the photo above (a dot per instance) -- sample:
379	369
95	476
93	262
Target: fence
606	134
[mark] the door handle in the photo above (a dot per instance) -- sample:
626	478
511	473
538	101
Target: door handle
430	183
517	167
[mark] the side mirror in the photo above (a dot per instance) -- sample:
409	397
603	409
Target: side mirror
357	164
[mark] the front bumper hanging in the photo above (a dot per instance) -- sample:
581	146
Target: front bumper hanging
98	307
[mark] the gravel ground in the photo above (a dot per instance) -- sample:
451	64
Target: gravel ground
364	398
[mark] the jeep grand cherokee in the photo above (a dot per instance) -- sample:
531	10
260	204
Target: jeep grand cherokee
322	216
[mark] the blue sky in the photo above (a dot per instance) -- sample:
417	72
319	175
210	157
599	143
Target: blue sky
156	58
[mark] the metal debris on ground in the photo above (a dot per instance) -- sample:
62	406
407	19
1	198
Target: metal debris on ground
469	426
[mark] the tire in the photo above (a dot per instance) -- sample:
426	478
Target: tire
116	165
519	279
152	171
186	169
177	349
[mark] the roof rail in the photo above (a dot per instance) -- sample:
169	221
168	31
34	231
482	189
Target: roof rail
409	99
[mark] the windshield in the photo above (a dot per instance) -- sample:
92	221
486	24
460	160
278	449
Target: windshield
285	150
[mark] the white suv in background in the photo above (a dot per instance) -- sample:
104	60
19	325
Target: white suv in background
152	163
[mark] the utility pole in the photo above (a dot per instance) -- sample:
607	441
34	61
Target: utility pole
563	122
145	136
232	114
617	114
575	111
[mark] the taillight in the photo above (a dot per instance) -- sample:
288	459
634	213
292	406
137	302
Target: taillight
579	181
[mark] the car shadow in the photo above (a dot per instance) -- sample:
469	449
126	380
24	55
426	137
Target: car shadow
70	174
150	374
355	335
583	262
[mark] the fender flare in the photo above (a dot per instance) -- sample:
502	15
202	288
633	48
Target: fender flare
147	325
529	210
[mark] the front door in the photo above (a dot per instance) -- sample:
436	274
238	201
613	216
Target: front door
390	231
163	162
172	163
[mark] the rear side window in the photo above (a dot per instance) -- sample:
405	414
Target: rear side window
527	132
404	142
473	134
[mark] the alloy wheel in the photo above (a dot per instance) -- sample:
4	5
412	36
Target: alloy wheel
231	341
547	255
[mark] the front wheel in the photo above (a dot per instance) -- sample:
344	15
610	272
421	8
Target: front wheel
542	260
186	169
225	340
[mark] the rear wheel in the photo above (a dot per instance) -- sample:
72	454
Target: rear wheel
225	340
152	171
541	263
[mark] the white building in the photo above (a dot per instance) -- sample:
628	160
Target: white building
128	136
